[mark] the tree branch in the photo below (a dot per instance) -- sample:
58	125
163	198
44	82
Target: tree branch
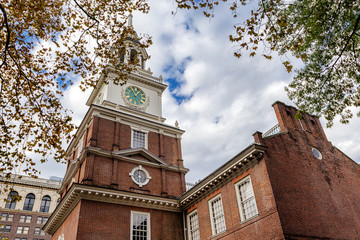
7	43
87	14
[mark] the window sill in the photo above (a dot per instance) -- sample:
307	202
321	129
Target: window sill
249	219
218	234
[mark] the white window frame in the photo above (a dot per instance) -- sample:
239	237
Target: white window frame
133	129
213	229
148	224
191	237
240	205
81	144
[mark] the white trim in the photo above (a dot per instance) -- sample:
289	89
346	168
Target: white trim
148	237
80	145
132	175
211	214
189	226
239	201
318	152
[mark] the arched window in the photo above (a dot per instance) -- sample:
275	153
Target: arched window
29	202
133	57
11	200
45	204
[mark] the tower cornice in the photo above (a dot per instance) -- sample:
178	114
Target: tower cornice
119	116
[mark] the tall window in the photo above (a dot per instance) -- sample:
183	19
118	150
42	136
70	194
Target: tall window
193	226
217	215
45	204
11	200
246	199
138	139
29	202
140	226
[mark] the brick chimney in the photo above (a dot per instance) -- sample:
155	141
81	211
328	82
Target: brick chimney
286	116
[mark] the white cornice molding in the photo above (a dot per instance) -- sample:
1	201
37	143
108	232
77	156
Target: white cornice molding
134	111
116	115
29	181
240	163
78	192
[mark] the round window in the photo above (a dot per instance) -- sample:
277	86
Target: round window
140	176
317	153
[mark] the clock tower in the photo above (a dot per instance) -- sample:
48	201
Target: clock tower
125	169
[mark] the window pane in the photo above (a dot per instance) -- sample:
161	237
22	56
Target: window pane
45	204
29	202
4	217
7	228
138	139
247	199
10	217
26	230
140	226
28	219
19	230
194	227
39	220
22	218
11	200
217	215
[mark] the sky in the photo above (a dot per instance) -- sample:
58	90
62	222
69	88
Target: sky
219	100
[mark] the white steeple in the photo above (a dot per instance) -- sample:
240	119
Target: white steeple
130	18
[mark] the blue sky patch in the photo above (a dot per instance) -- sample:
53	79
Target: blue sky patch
174	78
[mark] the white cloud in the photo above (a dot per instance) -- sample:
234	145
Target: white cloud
231	98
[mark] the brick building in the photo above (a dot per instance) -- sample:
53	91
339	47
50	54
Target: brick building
291	183
126	178
23	219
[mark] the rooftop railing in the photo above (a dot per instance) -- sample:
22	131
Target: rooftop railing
189	185
272	131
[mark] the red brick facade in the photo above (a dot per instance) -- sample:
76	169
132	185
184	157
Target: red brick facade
92	220
316	199
298	196
105	162
109	172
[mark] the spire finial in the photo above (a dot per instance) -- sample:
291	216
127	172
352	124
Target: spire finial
130	20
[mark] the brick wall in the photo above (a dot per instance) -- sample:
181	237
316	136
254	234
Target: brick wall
70	226
264	226
108	221
316	199
108	135
113	173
